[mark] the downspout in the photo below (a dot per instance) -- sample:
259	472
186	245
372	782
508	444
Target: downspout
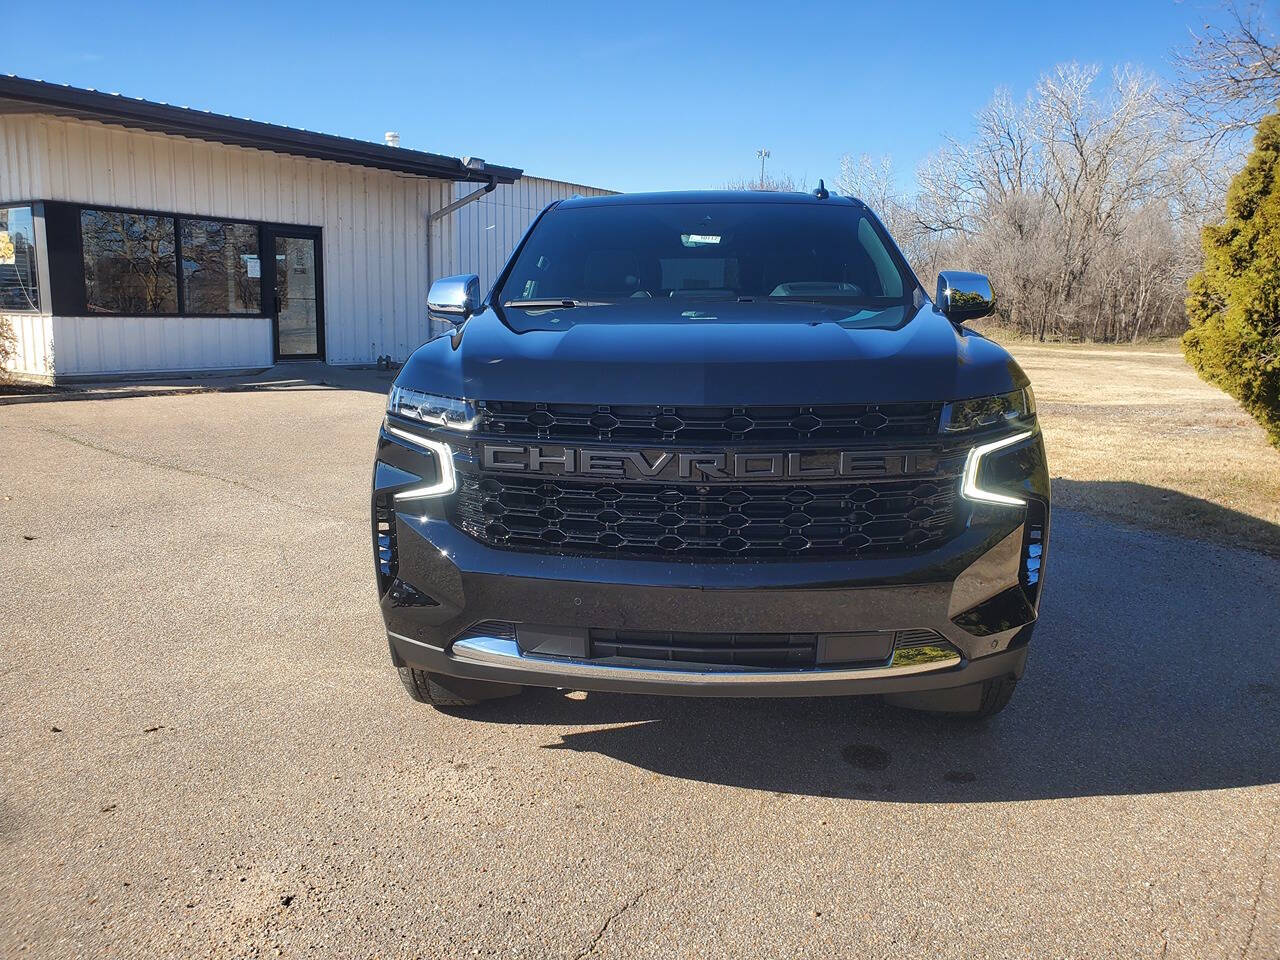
461	202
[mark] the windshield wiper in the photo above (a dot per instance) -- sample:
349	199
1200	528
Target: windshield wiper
551	303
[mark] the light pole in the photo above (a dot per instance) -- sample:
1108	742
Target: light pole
763	154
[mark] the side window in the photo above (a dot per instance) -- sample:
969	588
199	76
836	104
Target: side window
221	272
18	290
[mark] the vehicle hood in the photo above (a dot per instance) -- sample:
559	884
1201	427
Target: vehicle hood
712	354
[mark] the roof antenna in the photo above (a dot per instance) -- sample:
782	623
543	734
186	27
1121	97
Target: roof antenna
821	193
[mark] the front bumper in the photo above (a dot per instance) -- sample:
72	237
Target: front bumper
973	592
500	659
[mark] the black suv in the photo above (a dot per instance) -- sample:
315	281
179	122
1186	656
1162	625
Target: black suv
718	444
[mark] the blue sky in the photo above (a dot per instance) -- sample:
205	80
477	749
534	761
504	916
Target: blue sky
633	96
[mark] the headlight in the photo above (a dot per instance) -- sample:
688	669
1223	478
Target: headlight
1011	409
970	488
429	408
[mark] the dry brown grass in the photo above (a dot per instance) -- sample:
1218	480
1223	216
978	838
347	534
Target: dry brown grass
1133	434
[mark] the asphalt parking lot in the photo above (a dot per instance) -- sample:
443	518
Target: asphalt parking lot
205	751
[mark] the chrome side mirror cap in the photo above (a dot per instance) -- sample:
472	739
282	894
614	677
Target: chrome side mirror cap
964	296
453	299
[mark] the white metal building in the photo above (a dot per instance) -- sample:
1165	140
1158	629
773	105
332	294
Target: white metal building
137	237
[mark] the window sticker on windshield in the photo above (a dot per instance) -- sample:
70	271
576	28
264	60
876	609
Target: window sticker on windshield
698	239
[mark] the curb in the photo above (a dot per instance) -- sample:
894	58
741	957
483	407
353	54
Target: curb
129	393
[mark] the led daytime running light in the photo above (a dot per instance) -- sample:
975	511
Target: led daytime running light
448	481
971	490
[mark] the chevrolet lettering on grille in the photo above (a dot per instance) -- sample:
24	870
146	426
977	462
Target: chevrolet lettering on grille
736	466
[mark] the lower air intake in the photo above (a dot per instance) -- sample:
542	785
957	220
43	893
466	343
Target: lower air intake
725	649
767	650
743	651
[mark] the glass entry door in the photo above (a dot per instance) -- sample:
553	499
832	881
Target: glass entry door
299	311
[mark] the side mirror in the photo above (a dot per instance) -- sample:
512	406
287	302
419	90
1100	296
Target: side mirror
964	296
454	298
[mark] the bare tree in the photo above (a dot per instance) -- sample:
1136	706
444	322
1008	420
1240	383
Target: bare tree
871	179
874	181
1082	201
1229	76
776	183
8	346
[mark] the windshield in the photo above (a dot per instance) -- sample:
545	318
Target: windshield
766	251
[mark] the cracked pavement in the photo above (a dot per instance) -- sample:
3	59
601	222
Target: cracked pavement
204	750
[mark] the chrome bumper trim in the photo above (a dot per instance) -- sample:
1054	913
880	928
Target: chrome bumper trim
499	652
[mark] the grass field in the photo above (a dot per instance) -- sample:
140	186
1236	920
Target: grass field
1133	434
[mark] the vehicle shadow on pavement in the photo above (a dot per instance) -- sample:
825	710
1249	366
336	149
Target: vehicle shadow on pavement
1155	668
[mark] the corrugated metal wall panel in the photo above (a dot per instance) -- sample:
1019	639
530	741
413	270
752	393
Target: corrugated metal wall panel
33	343
108	345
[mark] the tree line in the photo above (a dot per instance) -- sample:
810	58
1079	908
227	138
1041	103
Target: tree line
1083	202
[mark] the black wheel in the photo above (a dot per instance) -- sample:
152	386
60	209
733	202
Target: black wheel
441	691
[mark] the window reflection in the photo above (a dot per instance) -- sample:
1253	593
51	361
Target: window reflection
221	272
130	263
18	290
297	320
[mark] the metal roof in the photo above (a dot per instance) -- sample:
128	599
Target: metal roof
20	95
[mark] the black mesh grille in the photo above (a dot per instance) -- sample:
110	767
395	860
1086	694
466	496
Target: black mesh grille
725	649
905	639
502	629
691	425
684	521
769	650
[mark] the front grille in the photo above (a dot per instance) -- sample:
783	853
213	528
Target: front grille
570	422
690	522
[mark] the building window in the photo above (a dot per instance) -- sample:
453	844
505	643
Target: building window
18	291
130	263
221	272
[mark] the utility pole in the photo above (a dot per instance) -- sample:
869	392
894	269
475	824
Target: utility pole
763	154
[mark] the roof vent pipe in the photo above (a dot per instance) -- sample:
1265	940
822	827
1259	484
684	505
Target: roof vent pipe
391	138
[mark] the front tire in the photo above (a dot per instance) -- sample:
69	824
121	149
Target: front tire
996	695
977	701
439	690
